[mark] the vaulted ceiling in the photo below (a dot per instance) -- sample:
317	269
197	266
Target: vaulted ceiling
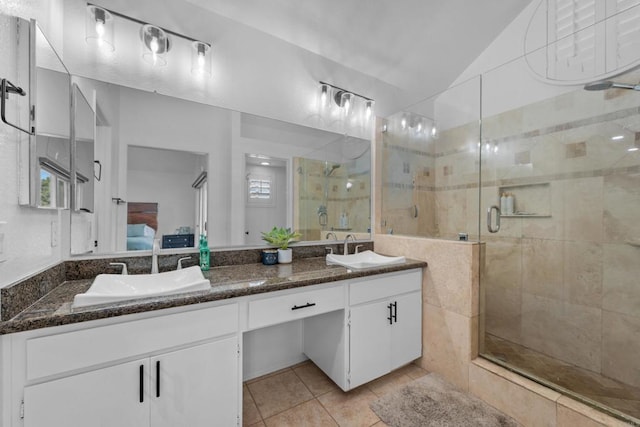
415	45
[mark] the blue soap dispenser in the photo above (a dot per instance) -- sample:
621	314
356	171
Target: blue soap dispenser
204	253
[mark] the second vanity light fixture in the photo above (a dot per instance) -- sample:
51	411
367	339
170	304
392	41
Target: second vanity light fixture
156	42
348	101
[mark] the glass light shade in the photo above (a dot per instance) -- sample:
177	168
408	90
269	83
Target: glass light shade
368	109
200	58
324	95
347	102
155	45
99	28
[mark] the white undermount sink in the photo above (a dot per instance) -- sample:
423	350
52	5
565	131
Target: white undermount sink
366	259
119	287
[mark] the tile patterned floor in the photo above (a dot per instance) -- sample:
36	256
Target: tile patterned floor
303	396
612	393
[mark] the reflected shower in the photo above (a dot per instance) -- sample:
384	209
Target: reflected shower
608	84
328	170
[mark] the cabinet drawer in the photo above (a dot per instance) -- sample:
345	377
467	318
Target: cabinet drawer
384	286
292	306
69	351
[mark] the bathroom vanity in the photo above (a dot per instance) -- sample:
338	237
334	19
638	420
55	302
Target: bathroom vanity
177	360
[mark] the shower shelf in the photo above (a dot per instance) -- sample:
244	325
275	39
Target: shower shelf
528	198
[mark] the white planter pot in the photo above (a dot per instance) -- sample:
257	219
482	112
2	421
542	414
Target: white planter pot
285	256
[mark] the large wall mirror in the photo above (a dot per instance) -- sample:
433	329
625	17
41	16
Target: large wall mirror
193	168
173	169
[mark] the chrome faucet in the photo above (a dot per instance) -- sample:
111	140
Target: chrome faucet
180	262
154	256
331	233
122	265
346	243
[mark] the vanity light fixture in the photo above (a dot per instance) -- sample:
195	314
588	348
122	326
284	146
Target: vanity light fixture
99	27
156	41
347	100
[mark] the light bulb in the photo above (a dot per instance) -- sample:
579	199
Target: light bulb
419	127
153	45
347	105
403	123
200	59
100	28
433	131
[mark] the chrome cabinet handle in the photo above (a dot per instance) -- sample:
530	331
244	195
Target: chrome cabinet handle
490	217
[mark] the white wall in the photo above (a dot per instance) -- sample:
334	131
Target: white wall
27	243
507	82
252	71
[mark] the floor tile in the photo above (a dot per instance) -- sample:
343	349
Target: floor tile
350	409
258	424
278	393
315	380
308	414
270	374
388	383
413	371
250	414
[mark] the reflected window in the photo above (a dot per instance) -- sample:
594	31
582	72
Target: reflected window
259	188
53	189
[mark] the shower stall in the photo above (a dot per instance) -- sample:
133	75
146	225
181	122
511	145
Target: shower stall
560	295
332	190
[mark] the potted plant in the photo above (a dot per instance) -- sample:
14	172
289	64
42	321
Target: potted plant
280	237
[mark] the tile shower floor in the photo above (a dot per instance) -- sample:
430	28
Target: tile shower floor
612	393
304	396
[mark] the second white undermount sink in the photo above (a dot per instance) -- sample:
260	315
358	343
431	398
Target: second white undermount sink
366	259
119	287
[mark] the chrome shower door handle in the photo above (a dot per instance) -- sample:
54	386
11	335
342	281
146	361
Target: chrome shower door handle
490	226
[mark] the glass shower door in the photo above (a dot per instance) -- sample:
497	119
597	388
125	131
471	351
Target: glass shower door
559	282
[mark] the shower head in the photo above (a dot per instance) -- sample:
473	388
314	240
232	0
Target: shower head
608	84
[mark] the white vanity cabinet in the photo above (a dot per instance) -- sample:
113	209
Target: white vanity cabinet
385	325
175	370
380	330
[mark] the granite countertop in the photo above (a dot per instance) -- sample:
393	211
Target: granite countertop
54	309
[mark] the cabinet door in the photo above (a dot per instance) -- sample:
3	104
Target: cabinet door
406	333
104	397
198	386
370	341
